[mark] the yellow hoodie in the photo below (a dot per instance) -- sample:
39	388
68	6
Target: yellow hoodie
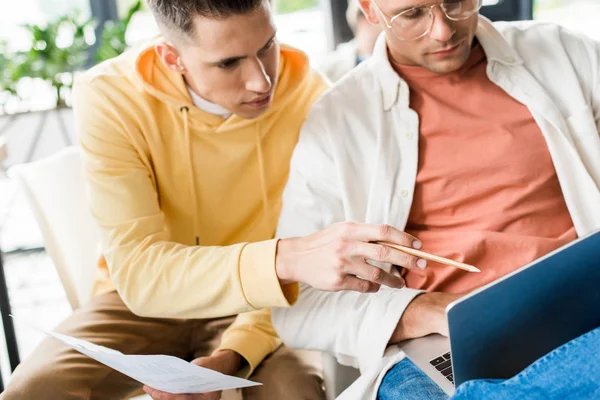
187	203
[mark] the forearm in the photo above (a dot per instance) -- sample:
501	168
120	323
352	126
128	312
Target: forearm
344	323
210	282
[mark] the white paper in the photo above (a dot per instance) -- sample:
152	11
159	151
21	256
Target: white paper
166	373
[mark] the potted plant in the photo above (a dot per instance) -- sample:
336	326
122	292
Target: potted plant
58	50
113	41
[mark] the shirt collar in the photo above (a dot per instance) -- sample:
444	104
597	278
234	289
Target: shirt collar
208	106
389	81
496	48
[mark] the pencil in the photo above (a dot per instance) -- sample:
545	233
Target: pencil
432	257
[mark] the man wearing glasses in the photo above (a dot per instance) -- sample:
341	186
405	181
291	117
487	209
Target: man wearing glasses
481	140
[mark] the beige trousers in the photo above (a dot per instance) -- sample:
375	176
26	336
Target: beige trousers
55	372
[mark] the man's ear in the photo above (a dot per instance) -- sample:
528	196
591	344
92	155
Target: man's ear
369	11
169	55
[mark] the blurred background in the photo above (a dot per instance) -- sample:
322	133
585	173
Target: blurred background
43	43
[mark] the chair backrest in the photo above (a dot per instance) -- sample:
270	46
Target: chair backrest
3	152
55	190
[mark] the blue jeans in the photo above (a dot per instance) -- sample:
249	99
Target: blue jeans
405	381
570	372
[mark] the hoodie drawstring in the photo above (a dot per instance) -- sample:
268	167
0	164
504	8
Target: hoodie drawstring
186	132
261	173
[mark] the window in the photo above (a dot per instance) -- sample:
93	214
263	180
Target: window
507	10
35	93
303	24
142	26
15	14
577	15
124	5
300	23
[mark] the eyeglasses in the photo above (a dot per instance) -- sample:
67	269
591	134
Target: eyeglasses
416	22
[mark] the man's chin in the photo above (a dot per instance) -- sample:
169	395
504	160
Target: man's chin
446	66
245	113
443	68
250	112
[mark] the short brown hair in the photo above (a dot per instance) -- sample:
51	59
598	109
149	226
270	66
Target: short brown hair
178	15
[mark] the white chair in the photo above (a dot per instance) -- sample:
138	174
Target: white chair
3	153
55	190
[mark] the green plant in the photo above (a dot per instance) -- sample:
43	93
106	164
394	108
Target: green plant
58	49
52	59
112	41
13	67
6	69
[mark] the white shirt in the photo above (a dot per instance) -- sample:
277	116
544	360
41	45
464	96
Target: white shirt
356	159
207	106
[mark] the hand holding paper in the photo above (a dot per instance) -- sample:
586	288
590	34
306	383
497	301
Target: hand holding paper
165	373
224	361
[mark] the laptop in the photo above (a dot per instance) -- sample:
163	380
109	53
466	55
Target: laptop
501	328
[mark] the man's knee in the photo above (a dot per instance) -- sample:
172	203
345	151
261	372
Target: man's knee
288	374
31	382
67	378
406	381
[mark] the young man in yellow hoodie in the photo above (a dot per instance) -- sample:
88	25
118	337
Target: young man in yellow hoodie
186	147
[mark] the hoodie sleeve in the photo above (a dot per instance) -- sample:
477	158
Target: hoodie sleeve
253	336
155	276
347	324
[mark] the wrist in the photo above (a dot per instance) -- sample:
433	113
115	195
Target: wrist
230	361
283	267
421	318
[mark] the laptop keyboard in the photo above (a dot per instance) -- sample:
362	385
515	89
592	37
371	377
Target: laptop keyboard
443	364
